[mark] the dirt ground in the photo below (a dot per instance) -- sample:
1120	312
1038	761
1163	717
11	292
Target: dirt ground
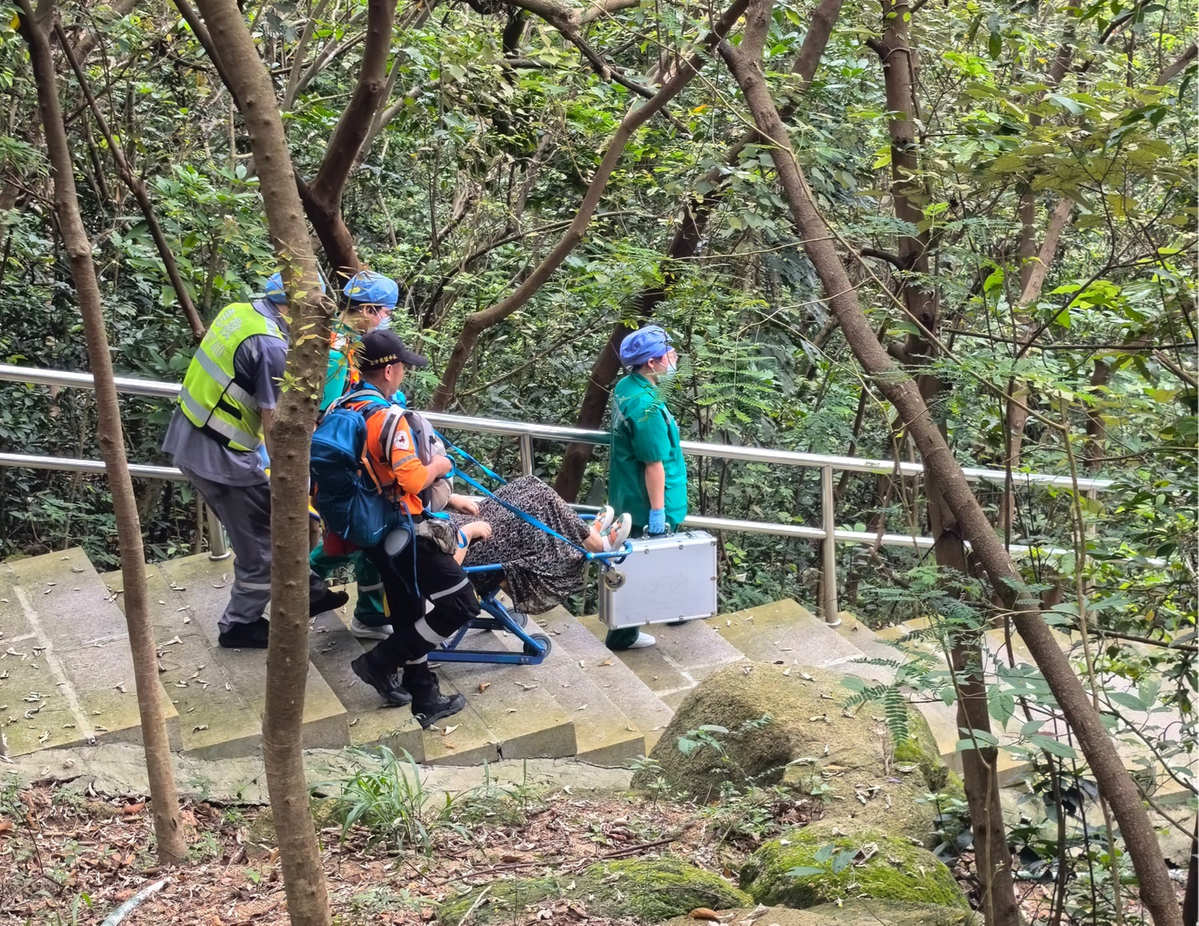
72	857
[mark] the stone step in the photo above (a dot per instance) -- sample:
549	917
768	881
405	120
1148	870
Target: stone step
683	656
82	664
203	585
502	721
784	631
513	701
216	722
331	648
604	735
631	696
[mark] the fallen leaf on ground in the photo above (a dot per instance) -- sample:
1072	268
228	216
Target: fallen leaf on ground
483	686
703	913
130	809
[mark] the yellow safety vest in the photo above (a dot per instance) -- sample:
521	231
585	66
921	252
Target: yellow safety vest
210	398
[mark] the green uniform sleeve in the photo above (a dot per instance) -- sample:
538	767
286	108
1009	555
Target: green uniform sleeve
335	381
651	434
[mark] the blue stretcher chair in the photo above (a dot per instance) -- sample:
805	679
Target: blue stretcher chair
534	647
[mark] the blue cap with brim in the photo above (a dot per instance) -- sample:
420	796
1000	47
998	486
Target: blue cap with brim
274	289
649	343
372	288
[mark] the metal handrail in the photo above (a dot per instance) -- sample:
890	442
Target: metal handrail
551	432
527	433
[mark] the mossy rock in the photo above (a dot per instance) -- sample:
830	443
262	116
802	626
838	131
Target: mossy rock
897	870
810	744
648	889
852	913
261	836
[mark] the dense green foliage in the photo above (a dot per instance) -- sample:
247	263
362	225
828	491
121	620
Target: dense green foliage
492	128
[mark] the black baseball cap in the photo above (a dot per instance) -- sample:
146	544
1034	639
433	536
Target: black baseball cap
382	347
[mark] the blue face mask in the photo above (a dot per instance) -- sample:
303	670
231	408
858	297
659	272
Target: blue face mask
667	376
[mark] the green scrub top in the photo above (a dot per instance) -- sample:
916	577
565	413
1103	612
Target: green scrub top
335	380
644	431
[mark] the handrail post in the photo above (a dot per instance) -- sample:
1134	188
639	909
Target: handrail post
828	517
526	455
217	548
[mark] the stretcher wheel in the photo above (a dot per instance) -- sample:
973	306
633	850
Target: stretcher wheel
543	640
613	578
521	620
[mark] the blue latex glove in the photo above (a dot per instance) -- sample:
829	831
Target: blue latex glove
657	521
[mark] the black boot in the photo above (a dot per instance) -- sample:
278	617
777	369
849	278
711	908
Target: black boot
386	683
328	600
429	705
255	635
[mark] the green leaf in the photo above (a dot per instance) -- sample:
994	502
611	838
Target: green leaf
1127	699
1053	746
995	46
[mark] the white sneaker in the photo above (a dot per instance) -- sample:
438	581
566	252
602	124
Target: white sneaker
604	519
366	632
643	640
618	533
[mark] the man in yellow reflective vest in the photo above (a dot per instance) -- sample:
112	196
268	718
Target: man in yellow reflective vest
222	422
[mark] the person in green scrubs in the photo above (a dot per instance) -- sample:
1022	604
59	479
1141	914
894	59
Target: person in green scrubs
646	473
370	300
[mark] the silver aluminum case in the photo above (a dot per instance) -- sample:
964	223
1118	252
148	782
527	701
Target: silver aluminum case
665	579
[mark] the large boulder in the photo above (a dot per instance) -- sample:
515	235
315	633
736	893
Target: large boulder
846	759
650	890
850	913
807	867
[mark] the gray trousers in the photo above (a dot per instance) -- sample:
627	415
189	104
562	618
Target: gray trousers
245	511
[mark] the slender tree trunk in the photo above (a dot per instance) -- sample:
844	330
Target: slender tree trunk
138	189
910	194
324	194
168	828
695	211
287	656
479	322
1116	785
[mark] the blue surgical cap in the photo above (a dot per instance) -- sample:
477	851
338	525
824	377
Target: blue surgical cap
274	289
649	343
372	288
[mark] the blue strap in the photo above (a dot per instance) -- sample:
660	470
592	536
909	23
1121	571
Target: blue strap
462	453
524	516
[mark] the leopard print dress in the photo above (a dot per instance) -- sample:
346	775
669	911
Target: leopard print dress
539	570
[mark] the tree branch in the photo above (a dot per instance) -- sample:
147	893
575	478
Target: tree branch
138	189
634	119
355	122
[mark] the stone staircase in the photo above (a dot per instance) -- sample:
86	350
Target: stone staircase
66	676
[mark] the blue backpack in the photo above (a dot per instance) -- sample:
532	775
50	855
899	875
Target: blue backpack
348	498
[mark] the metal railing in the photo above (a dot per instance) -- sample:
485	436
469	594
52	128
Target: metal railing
526	433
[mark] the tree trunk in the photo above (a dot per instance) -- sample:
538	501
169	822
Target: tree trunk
325	192
291	433
1116	785
696	211
168	828
633	120
138	189
910	194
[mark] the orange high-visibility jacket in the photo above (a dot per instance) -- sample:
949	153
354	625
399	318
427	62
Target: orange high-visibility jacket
390	452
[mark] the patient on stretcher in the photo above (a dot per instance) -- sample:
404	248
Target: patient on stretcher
539	571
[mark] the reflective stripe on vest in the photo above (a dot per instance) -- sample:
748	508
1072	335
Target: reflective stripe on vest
210	398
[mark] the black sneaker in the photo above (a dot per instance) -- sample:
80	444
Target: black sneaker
388	685
246	636
429	705
328	601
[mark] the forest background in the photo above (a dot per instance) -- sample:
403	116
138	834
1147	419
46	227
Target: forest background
1032	255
